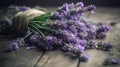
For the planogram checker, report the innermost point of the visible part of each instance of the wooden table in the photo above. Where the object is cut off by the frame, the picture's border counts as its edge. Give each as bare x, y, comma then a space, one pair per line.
37, 58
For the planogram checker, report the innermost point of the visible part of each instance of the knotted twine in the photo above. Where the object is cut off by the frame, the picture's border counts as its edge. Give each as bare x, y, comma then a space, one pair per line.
22, 19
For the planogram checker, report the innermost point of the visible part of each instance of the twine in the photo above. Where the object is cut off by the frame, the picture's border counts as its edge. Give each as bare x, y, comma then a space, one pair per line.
22, 19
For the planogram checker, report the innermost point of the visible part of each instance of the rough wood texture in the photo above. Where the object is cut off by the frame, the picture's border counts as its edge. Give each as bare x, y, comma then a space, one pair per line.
21, 58
35, 58
56, 59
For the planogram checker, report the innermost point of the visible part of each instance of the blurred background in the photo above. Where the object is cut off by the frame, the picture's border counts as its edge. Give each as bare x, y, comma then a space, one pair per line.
52, 3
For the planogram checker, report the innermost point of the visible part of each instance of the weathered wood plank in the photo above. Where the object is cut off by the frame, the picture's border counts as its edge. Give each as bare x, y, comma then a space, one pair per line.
57, 59
20, 58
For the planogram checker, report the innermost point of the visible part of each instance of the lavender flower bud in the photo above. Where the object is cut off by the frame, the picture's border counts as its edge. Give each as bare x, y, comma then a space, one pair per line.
23, 8
91, 8
49, 42
50, 39
80, 48
115, 61
90, 45
103, 28
65, 7
107, 46
111, 61
13, 46
79, 4
34, 39
85, 57
100, 35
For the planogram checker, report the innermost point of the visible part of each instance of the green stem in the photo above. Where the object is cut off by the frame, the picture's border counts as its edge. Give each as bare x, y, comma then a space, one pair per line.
37, 29
43, 17
38, 22
41, 27
31, 29
27, 36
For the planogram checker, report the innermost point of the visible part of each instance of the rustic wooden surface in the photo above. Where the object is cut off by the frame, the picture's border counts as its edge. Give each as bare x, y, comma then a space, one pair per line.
37, 58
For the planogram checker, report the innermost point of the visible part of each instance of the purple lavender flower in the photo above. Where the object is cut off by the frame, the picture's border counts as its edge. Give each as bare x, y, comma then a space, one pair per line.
115, 61
91, 8
50, 39
107, 46
70, 22
56, 15
73, 29
90, 45
91, 35
71, 6
64, 7
72, 11
80, 24
93, 28
49, 42
71, 38
85, 57
65, 48
80, 48
82, 42
73, 48
82, 35
79, 4
20, 41
34, 39
58, 25
106, 28
62, 25
23, 8
13, 46
59, 41
81, 27
104, 46
111, 61
103, 28
66, 33
100, 35
48, 48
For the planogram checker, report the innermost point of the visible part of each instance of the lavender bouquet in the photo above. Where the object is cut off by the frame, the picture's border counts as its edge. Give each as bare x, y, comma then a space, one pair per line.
65, 29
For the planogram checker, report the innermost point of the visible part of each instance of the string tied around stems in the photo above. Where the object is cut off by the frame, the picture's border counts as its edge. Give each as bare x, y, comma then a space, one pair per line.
22, 19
